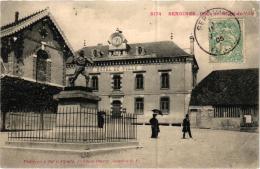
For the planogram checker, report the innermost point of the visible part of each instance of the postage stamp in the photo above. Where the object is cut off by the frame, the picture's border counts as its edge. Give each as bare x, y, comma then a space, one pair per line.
221, 44
218, 33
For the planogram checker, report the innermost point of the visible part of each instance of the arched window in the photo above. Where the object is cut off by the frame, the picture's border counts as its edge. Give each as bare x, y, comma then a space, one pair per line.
95, 53
42, 67
116, 108
140, 50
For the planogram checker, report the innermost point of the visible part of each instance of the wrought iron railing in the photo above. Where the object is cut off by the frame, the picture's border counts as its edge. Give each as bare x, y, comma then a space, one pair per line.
71, 125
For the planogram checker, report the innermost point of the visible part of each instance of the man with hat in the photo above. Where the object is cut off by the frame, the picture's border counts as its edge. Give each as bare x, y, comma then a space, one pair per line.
186, 126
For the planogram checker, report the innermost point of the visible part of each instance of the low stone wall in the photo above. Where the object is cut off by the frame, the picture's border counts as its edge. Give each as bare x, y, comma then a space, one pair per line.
203, 117
226, 123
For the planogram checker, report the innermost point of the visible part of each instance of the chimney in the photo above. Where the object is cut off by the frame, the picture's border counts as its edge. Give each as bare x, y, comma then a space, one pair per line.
191, 44
16, 16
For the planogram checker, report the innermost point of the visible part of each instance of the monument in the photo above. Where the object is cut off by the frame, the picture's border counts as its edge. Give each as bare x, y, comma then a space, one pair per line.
77, 106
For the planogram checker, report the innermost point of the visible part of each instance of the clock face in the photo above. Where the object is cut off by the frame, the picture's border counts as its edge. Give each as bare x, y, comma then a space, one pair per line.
117, 40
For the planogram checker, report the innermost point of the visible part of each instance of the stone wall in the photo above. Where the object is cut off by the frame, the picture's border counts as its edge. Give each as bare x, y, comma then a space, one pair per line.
203, 117
226, 123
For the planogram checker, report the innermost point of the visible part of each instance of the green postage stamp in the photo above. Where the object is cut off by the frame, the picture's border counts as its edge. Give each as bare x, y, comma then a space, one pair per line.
226, 40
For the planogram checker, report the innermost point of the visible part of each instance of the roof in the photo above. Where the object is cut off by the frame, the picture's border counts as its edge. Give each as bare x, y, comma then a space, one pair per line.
152, 49
22, 23
17, 93
6, 76
227, 87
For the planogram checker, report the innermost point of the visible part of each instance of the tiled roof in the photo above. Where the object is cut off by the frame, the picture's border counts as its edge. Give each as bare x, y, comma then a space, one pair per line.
22, 23
152, 49
22, 19
19, 92
227, 87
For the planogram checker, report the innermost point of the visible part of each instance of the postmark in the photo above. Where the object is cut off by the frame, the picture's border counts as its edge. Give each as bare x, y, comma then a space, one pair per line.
218, 33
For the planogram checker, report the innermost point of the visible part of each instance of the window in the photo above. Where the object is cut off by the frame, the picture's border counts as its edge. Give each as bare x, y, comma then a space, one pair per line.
42, 66
95, 53
94, 81
116, 82
165, 81
139, 81
140, 50
139, 105
165, 104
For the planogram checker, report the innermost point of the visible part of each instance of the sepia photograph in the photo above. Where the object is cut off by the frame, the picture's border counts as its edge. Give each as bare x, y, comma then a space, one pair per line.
129, 84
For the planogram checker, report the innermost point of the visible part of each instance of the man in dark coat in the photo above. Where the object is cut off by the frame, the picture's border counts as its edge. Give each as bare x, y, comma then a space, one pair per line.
100, 119
186, 126
155, 126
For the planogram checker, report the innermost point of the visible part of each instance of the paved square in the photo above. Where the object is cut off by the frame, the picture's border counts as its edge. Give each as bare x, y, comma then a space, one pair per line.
208, 149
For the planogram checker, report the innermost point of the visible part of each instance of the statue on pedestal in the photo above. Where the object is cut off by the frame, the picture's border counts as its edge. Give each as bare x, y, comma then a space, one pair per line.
80, 64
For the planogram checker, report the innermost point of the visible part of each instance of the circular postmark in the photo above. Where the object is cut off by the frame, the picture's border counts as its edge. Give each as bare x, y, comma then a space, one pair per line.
217, 31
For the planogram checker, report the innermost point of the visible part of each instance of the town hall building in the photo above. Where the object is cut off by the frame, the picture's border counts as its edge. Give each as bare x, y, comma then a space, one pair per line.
139, 77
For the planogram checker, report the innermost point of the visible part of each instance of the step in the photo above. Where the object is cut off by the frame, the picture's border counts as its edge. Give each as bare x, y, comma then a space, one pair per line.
81, 153
249, 129
69, 146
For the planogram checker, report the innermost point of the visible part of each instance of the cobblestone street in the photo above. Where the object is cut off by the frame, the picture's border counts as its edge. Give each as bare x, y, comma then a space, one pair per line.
208, 148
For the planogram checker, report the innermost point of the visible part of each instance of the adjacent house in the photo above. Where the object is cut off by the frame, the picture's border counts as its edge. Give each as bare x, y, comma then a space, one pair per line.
226, 99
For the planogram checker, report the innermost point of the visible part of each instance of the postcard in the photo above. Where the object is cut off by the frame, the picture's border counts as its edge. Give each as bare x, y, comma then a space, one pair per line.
129, 84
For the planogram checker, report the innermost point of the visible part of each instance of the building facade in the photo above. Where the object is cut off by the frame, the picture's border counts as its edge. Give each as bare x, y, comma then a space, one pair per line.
34, 52
137, 78
226, 99
35, 48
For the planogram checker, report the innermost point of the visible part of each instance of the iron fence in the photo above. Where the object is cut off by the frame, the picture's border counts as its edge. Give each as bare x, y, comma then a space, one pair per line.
71, 125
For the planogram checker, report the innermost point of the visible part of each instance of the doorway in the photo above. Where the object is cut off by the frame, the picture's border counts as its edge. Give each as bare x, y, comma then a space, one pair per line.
116, 108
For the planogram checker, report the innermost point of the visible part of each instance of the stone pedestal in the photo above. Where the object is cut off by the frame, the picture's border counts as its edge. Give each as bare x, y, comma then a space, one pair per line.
76, 97
77, 115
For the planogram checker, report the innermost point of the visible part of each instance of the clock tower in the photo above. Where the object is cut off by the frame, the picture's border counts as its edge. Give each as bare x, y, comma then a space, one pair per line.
117, 44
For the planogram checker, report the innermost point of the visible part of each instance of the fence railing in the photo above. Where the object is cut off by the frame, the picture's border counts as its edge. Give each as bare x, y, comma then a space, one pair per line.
71, 125
227, 112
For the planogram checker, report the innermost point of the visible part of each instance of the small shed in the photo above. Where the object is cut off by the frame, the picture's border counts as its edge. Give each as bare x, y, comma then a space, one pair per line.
226, 99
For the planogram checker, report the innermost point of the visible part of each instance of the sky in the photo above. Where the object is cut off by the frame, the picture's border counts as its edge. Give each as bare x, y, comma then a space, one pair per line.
95, 21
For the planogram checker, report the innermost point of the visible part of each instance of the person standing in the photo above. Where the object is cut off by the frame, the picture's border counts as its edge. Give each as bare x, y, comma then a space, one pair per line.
101, 119
155, 126
186, 126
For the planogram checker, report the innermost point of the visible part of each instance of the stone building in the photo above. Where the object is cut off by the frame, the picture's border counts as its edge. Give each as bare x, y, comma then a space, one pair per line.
226, 99
35, 48
139, 77
34, 51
